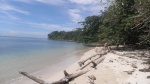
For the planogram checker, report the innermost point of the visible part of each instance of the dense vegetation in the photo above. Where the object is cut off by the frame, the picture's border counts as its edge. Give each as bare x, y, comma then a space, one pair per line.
124, 21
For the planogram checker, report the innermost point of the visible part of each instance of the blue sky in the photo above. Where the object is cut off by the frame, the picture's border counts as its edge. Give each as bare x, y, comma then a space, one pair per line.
37, 18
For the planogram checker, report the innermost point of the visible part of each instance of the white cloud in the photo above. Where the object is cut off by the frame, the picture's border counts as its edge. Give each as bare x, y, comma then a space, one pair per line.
9, 8
75, 15
5, 14
93, 9
24, 33
54, 2
84, 8
52, 27
24, 1
84, 1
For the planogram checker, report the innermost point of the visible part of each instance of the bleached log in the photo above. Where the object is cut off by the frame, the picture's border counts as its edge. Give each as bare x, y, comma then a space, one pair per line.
91, 79
33, 78
65, 80
69, 78
83, 61
102, 54
94, 64
97, 62
104, 51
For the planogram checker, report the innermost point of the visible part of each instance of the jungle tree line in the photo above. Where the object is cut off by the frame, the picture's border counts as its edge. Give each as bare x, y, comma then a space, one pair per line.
124, 21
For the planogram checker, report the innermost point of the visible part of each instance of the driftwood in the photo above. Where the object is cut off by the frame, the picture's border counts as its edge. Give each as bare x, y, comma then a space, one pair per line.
65, 80
82, 62
100, 55
94, 63
33, 78
104, 51
91, 79
69, 78
97, 62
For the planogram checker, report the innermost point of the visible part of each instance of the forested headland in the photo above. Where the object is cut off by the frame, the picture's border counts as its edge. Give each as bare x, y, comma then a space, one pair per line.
123, 22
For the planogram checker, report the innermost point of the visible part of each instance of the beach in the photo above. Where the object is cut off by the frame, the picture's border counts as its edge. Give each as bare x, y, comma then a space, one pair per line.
75, 42
114, 69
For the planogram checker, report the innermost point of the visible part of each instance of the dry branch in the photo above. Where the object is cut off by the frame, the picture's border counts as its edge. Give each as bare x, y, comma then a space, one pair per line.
91, 79
33, 78
100, 55
95, 63
65, 80
82, 62
69, 78
104, 51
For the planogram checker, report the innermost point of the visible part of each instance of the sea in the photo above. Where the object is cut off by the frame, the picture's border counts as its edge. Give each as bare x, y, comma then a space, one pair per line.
35, 56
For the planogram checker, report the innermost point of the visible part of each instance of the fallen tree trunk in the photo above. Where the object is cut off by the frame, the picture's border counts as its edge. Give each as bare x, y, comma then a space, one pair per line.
65, 80
95, 64
69, 78
33, 78
104, 51
83, 61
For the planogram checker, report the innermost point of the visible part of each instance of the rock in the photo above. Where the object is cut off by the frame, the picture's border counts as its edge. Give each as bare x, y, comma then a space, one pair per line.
134, 66
145, 70
129, 72
148, 77
110, 61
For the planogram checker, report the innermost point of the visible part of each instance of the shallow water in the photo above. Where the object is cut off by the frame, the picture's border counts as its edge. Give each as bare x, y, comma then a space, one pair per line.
33, 55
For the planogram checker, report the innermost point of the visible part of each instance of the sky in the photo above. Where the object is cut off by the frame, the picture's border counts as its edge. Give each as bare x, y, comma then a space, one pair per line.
37, 18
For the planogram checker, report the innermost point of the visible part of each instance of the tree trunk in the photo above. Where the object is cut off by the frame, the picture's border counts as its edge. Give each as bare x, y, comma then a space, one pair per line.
94, 63
65, 80
83, 61
33, 78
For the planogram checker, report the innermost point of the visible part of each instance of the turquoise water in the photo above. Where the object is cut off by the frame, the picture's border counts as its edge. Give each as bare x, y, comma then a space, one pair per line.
32, 55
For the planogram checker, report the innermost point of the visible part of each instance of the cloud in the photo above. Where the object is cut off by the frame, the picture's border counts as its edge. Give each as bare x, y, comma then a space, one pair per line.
52, 27
5, 14
51, 2
24, 1
84, 8
93, 9
9, 8
75, 15
24, 34
84, 1
54, 2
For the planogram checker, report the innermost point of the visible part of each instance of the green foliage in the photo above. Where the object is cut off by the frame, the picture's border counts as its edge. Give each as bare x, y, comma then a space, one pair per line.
75, 35
124, 21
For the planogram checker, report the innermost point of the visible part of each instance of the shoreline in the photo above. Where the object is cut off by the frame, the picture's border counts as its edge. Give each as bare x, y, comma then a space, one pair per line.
52, 69
115, 69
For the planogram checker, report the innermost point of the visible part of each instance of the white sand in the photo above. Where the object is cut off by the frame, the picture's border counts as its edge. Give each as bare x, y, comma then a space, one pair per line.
113, 70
